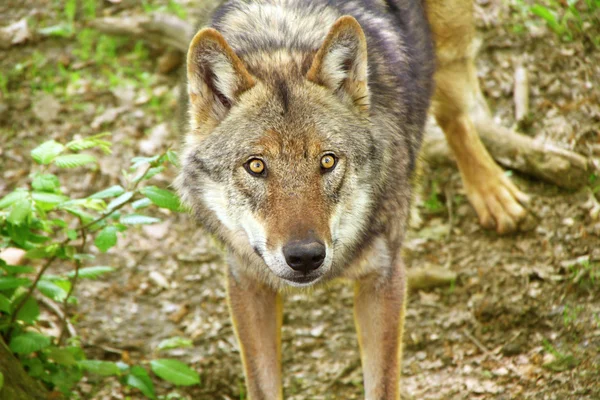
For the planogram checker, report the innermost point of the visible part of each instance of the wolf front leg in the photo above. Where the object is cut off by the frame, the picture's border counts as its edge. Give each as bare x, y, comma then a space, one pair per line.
256, 311
379, 304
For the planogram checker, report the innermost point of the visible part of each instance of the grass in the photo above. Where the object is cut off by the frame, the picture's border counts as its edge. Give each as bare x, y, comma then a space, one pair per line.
570, 20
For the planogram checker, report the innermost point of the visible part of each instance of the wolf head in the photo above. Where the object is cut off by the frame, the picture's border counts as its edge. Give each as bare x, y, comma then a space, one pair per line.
279, 160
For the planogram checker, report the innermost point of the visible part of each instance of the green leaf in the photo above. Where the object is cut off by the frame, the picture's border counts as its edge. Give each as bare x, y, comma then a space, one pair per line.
91, 272
149, 174
1, 381
13, 283
137, 161
162, 198
62, 356
60, 30
136, 219
102, 368
17, 269
51, 290
175, 371
141, 203
85, 216
90, 142
30, 312
29, 342
74, 160
46, 152
21, 210
92, 204
48, 198
5, 305
124, 198
139, 379
106, 239
547, 16
112, 191
174, 343
13, 197
45, 183
41, 252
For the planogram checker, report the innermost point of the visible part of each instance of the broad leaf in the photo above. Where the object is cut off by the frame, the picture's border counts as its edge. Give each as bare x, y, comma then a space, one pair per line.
175, 371
141, 203
13, 283
174, 343
136, 219
46, 152
5, 305
124, 198
21, 210
62, 356
30, 311
52, 290
106, 239
48, 198
162, 198
102, 368
74, 160
139, 379
45, 183
28, 342
112, 191
13, 197
91, 272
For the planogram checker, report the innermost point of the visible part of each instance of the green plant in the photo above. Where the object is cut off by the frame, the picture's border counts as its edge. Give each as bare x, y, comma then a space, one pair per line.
561, 361
56, 233
585, 273
569, 19
433, 203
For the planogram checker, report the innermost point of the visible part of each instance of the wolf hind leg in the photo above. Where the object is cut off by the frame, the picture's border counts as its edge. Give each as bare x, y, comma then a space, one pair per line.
256, 311
460, 109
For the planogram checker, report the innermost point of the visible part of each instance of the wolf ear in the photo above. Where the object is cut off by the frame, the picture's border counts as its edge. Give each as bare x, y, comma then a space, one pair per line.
216, 76
341, 63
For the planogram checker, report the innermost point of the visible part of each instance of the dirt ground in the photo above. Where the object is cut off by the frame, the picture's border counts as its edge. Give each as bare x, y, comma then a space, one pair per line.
521, 321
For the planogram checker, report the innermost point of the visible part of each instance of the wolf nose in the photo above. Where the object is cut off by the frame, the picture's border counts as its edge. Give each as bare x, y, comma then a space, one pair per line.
304, 255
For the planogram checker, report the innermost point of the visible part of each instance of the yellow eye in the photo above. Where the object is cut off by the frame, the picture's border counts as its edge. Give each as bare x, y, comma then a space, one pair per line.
328, 161
255, 166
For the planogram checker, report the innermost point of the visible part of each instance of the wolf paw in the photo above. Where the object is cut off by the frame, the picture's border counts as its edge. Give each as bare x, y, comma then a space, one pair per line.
497, 201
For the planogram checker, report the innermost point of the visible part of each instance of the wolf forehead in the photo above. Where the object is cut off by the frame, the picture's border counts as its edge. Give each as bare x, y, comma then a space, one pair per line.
281, 120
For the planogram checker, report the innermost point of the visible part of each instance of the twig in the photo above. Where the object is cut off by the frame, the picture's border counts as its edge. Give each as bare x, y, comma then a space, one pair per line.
450, 206
521, 93
56, 310
348, 369
480, 345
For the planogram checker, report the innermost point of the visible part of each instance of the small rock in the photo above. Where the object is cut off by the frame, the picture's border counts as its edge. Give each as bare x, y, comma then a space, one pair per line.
568, 222
159, 280
157, 231
108, 116
12, 256
46, 107
155, 140
14, 33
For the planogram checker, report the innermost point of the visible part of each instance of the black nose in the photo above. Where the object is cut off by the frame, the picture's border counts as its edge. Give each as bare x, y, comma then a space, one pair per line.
304, 255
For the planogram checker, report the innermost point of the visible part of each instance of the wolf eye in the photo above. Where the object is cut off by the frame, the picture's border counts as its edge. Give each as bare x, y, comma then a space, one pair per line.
328, 161
255, 167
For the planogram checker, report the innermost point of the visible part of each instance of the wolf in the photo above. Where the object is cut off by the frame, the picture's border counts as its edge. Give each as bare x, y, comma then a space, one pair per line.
305, 121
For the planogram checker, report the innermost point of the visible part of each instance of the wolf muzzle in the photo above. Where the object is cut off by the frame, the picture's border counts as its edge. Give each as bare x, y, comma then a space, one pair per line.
304, 255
